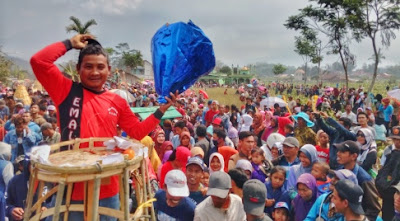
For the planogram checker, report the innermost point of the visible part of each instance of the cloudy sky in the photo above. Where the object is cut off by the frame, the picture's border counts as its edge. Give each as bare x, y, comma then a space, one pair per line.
242, 31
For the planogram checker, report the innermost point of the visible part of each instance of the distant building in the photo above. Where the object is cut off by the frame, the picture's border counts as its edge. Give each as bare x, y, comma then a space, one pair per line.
144, 72
244, 76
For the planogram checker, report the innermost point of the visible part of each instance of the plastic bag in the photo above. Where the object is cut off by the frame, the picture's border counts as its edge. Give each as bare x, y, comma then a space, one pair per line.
181, 54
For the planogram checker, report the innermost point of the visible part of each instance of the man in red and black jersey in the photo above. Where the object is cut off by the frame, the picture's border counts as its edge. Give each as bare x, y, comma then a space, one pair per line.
85, 109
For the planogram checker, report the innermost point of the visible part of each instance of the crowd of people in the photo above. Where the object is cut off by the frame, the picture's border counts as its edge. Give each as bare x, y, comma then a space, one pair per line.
330, 158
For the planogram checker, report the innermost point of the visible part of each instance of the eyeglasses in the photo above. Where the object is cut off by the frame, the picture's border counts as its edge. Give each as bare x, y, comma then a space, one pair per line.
360, 135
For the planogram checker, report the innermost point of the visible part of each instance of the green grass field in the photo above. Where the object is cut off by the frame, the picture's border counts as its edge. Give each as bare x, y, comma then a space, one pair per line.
217, 93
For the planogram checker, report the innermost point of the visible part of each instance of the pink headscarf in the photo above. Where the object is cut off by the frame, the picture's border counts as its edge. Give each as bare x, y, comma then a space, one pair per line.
268, 122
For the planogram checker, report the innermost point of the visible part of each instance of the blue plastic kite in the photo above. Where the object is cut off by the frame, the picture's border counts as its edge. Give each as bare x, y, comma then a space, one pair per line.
181, 54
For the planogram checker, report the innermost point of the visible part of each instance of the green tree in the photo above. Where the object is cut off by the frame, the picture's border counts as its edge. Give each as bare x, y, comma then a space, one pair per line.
77, 26
5, 67
18, 73
132, 59
331, 19
279, 69
226, 69
376, 20
69, 69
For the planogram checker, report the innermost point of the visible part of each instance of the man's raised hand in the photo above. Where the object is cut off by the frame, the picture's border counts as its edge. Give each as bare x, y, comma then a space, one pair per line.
79, 41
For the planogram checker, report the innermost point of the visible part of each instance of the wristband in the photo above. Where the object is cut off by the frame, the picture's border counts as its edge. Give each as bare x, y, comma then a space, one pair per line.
158, 114
68, 44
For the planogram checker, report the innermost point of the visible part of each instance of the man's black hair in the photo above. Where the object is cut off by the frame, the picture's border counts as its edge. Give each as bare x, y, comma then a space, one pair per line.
92, 49
346, 122
220, 133
201, 131
181, 124
42, 107
245, 134
276, 105
238, 176
363, 113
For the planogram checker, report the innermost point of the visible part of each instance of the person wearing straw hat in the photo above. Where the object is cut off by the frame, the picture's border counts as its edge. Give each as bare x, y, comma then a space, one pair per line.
303, 131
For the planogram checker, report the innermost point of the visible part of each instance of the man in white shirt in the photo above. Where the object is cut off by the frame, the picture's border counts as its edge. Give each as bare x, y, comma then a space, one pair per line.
220, 204
349, 114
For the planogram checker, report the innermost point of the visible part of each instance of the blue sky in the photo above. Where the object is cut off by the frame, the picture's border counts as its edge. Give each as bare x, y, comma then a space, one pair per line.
242, 31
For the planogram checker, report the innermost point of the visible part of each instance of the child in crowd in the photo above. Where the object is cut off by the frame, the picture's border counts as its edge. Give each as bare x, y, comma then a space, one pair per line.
307, 194
206, 177
261, 166
289, 130
276, 150
281, 212
246, 166
320, 171
216, 163
276, 189
322, 146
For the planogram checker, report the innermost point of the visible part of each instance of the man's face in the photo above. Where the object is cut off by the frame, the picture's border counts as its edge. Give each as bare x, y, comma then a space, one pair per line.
340, 204
26, 117
219, 202
348, 108
246, 145
344, 157
46, 133
362, 119
397, 201
396, 143
19, 128
290, 152
172, 201
221, 109
194, 173
214, 106
178, 130
34, 109
94, 71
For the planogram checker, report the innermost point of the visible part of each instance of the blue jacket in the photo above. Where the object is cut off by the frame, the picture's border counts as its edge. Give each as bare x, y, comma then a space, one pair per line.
337, 134
32, 126
316, 210
30, 140
3, 184
17, 191
279, 195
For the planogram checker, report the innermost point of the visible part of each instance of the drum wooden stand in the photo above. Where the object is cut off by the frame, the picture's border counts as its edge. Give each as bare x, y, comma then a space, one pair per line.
65, 177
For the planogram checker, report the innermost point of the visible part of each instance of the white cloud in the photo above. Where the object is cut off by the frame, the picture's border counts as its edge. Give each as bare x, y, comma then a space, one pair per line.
116, 7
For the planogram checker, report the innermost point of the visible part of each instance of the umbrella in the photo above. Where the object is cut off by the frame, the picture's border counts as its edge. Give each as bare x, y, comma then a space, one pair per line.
145, 112
205, 95
394, 94
124, 94
270, 101
250, 85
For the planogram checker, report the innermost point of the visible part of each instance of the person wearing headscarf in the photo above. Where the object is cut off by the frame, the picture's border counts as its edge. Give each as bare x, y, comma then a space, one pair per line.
307, 155
367, 157
216, 163
166, 146
308, 193
158, 137
153, 156
177, 160
233, 134
6, 167
197, 152
268, 117
226, 152
272, 128
247, 121
185, 139
258, 127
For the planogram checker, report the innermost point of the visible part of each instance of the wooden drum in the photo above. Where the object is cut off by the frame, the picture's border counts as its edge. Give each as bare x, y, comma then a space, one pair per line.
65, 176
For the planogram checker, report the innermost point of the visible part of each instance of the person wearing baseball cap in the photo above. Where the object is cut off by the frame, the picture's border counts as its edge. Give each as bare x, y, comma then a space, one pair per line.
347, 197
254, 195
347, 154
194, 174
220, 204
290, 148
173, 202
281, 212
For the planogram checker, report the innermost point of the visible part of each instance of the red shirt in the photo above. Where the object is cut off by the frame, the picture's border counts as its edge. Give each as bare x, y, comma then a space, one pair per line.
323, 153
84, 113
209, 116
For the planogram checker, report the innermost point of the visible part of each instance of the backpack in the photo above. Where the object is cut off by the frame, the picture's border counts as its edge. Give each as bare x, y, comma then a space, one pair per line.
389, 175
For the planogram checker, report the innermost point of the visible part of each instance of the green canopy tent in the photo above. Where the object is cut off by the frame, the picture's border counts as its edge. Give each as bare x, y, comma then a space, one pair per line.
145, 112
